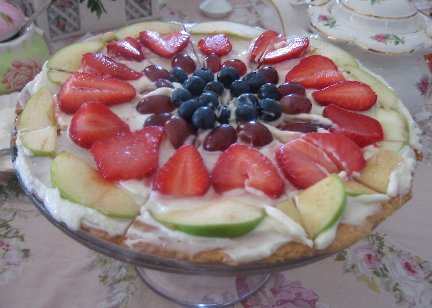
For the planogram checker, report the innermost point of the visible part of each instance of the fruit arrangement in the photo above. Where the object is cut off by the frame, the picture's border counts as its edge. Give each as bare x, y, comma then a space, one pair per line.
239, 126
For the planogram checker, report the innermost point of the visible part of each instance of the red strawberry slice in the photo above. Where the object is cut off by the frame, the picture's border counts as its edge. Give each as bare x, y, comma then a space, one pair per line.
132, 155
218, 44
352, 95
241, 166
127, 48
166, 46
184, 174
98, 64
344, 152
360, 128
315, 71
82, 88
260, 45
93, 122
290, 48
304, 164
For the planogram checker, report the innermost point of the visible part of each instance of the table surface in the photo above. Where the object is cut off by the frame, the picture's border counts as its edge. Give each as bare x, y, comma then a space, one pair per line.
42, 267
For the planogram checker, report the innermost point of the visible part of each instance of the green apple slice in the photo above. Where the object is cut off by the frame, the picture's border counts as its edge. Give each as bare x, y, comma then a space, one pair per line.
288, 207
224, 218
80, 183
58, 77
322, 204
394, 125
338, 55
386, 96
135, 29
38, 112
354, 189
68, 59
41, 142
226, 27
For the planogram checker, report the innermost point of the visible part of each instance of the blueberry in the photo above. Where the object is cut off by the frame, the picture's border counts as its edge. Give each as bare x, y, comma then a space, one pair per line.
209, 98
224, 115
247, 99
239, 87
269, 109
195, 85
205, 74
204, 117
177, 74
227, 75
255, 80
215, 86
180, 95
246, 113
163, 83
187, 109
269, 90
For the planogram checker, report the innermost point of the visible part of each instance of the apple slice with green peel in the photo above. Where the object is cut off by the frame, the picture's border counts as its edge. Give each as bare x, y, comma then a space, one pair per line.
57, 77
107, 37
226, 27
386, 96
322, 204
135, 29
394, 125
224, 218
38, 112
354, 189
41, 142
288, 207
80, 183
379, 167
68, 59
336, 54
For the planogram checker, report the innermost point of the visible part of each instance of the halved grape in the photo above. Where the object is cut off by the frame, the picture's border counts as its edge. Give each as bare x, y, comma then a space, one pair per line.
155, 104
295, 104
185, 62
213, 62
220, 138
237, 64
158, 119
179, 132
155, 72
254, 133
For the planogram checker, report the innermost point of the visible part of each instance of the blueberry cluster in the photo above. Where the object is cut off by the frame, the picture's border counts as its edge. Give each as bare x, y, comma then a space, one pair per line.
198, 100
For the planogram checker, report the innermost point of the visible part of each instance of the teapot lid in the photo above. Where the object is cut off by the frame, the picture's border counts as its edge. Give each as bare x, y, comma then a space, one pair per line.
381, 8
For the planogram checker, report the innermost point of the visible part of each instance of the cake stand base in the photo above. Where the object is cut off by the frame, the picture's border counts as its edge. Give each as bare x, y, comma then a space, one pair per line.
202, 291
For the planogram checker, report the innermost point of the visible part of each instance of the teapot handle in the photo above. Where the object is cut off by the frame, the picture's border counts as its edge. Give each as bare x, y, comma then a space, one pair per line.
292, 20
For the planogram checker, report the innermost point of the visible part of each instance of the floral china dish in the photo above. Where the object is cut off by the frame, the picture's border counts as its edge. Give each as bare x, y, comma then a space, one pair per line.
382, 26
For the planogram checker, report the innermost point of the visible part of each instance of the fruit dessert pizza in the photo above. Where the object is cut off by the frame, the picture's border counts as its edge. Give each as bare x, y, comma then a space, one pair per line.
215, 142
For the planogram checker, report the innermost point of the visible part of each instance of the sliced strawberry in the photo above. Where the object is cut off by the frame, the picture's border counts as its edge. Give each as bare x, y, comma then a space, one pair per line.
361, 128
127, 48
352, 95
93, 122
344, 152
218, 44
98, 64
315, 71
241, 166
184, 174
166, 46
82, 88
290, 48
304, 164
132, 155
260, 45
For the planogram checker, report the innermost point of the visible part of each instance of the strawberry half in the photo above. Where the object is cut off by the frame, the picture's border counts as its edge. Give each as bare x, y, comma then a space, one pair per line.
82, 88
290, 48
241, 166
304, 164
166, 46
132, 155
218, 44
98, 64
315, 71
352, 95
344, 152
93, 122
360, 128
260, 45
183, 175
127, 48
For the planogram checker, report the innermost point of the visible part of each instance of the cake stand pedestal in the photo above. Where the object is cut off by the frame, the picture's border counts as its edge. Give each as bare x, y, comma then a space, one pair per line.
202, 291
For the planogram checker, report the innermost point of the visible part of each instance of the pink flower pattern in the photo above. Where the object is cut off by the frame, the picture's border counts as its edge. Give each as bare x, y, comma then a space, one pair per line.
19, 73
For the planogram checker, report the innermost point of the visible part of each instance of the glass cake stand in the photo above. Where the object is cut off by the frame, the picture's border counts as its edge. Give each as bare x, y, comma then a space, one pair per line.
187, 283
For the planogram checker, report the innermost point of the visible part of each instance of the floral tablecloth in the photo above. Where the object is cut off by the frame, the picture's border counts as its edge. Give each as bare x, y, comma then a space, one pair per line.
42, 267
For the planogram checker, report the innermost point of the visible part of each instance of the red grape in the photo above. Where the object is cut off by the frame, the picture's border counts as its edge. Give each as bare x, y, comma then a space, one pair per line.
237, 64
254, 133
155, 104
220, 138
178, 131
213, 62
295, 104
155, 72
270, 74
291, 88
158, 119
185, 62
301, 126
